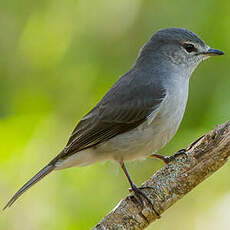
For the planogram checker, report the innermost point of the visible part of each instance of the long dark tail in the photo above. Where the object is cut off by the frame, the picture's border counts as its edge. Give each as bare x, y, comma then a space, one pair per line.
42, 173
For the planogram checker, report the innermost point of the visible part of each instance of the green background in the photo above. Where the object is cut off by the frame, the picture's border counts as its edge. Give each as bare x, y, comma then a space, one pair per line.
57, 59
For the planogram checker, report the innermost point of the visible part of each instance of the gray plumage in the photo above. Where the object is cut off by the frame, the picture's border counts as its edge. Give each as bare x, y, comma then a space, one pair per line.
143, 109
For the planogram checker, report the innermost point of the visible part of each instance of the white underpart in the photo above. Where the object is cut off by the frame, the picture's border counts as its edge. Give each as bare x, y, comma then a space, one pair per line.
147, 138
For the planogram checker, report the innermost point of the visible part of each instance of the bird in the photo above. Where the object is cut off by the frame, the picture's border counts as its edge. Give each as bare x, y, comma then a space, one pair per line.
140, 113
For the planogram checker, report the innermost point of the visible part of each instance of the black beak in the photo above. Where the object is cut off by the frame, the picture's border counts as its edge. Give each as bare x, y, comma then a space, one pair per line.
213, 52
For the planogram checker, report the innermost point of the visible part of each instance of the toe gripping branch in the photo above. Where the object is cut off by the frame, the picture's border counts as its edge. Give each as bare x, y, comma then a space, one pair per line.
139, 194
169, 159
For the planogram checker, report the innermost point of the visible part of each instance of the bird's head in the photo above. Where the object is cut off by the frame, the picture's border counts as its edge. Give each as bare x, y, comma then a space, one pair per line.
179, 46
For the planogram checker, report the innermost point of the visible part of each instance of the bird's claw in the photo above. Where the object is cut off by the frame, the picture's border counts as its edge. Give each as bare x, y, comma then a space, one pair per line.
168, 159
139, 194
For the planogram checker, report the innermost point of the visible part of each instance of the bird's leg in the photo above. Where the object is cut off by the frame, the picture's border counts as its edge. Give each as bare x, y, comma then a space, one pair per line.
137, 191
168, 159
165, 159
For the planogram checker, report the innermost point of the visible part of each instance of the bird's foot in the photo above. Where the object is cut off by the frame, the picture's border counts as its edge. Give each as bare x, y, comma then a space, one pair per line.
168, 159
140, 194
165, 159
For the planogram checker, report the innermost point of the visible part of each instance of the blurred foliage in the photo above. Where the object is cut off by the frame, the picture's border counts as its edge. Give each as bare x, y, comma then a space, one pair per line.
58, 58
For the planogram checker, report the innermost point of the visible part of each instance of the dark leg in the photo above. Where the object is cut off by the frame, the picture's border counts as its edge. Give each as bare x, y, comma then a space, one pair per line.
168, 159
137, 190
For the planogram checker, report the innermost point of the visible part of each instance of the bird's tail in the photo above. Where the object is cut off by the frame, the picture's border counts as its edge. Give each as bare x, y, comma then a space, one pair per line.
42, 173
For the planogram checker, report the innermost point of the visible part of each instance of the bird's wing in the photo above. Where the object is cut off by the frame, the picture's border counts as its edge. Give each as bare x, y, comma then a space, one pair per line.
122, 109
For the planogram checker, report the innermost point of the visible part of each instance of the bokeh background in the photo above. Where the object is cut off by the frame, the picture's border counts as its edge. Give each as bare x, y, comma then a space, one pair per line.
57, 59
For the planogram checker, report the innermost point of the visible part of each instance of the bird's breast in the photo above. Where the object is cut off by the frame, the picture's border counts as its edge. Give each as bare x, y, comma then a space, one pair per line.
168, 119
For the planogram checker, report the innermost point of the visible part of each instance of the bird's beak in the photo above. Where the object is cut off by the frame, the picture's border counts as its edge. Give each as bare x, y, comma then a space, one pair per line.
213, 52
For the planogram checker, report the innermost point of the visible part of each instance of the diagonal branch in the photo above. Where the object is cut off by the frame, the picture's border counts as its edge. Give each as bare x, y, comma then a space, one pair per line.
173, 181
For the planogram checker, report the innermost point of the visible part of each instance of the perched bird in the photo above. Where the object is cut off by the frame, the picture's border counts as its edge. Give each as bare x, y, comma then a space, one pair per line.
140, 113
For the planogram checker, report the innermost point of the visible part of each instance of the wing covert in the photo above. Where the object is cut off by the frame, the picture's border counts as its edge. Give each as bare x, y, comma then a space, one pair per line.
122, 109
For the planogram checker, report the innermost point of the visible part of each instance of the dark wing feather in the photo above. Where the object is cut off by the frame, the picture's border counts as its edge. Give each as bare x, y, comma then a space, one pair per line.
122, 109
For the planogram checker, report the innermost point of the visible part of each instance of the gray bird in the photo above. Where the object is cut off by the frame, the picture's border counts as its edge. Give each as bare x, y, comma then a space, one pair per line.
140, 113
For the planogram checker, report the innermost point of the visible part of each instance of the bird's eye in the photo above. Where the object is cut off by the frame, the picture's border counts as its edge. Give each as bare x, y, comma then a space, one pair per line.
189, 47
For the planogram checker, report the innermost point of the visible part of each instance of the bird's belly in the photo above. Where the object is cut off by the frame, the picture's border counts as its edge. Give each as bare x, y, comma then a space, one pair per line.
143, 140
150, 136
137, 143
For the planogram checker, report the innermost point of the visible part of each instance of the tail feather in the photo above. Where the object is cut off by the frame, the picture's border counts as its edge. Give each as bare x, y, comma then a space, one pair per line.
42, 173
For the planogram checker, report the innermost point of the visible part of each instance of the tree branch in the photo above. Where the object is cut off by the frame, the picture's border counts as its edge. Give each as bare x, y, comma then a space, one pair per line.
169, 184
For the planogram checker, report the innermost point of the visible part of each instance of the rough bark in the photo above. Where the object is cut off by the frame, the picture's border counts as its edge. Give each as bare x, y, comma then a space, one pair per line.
169, 184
